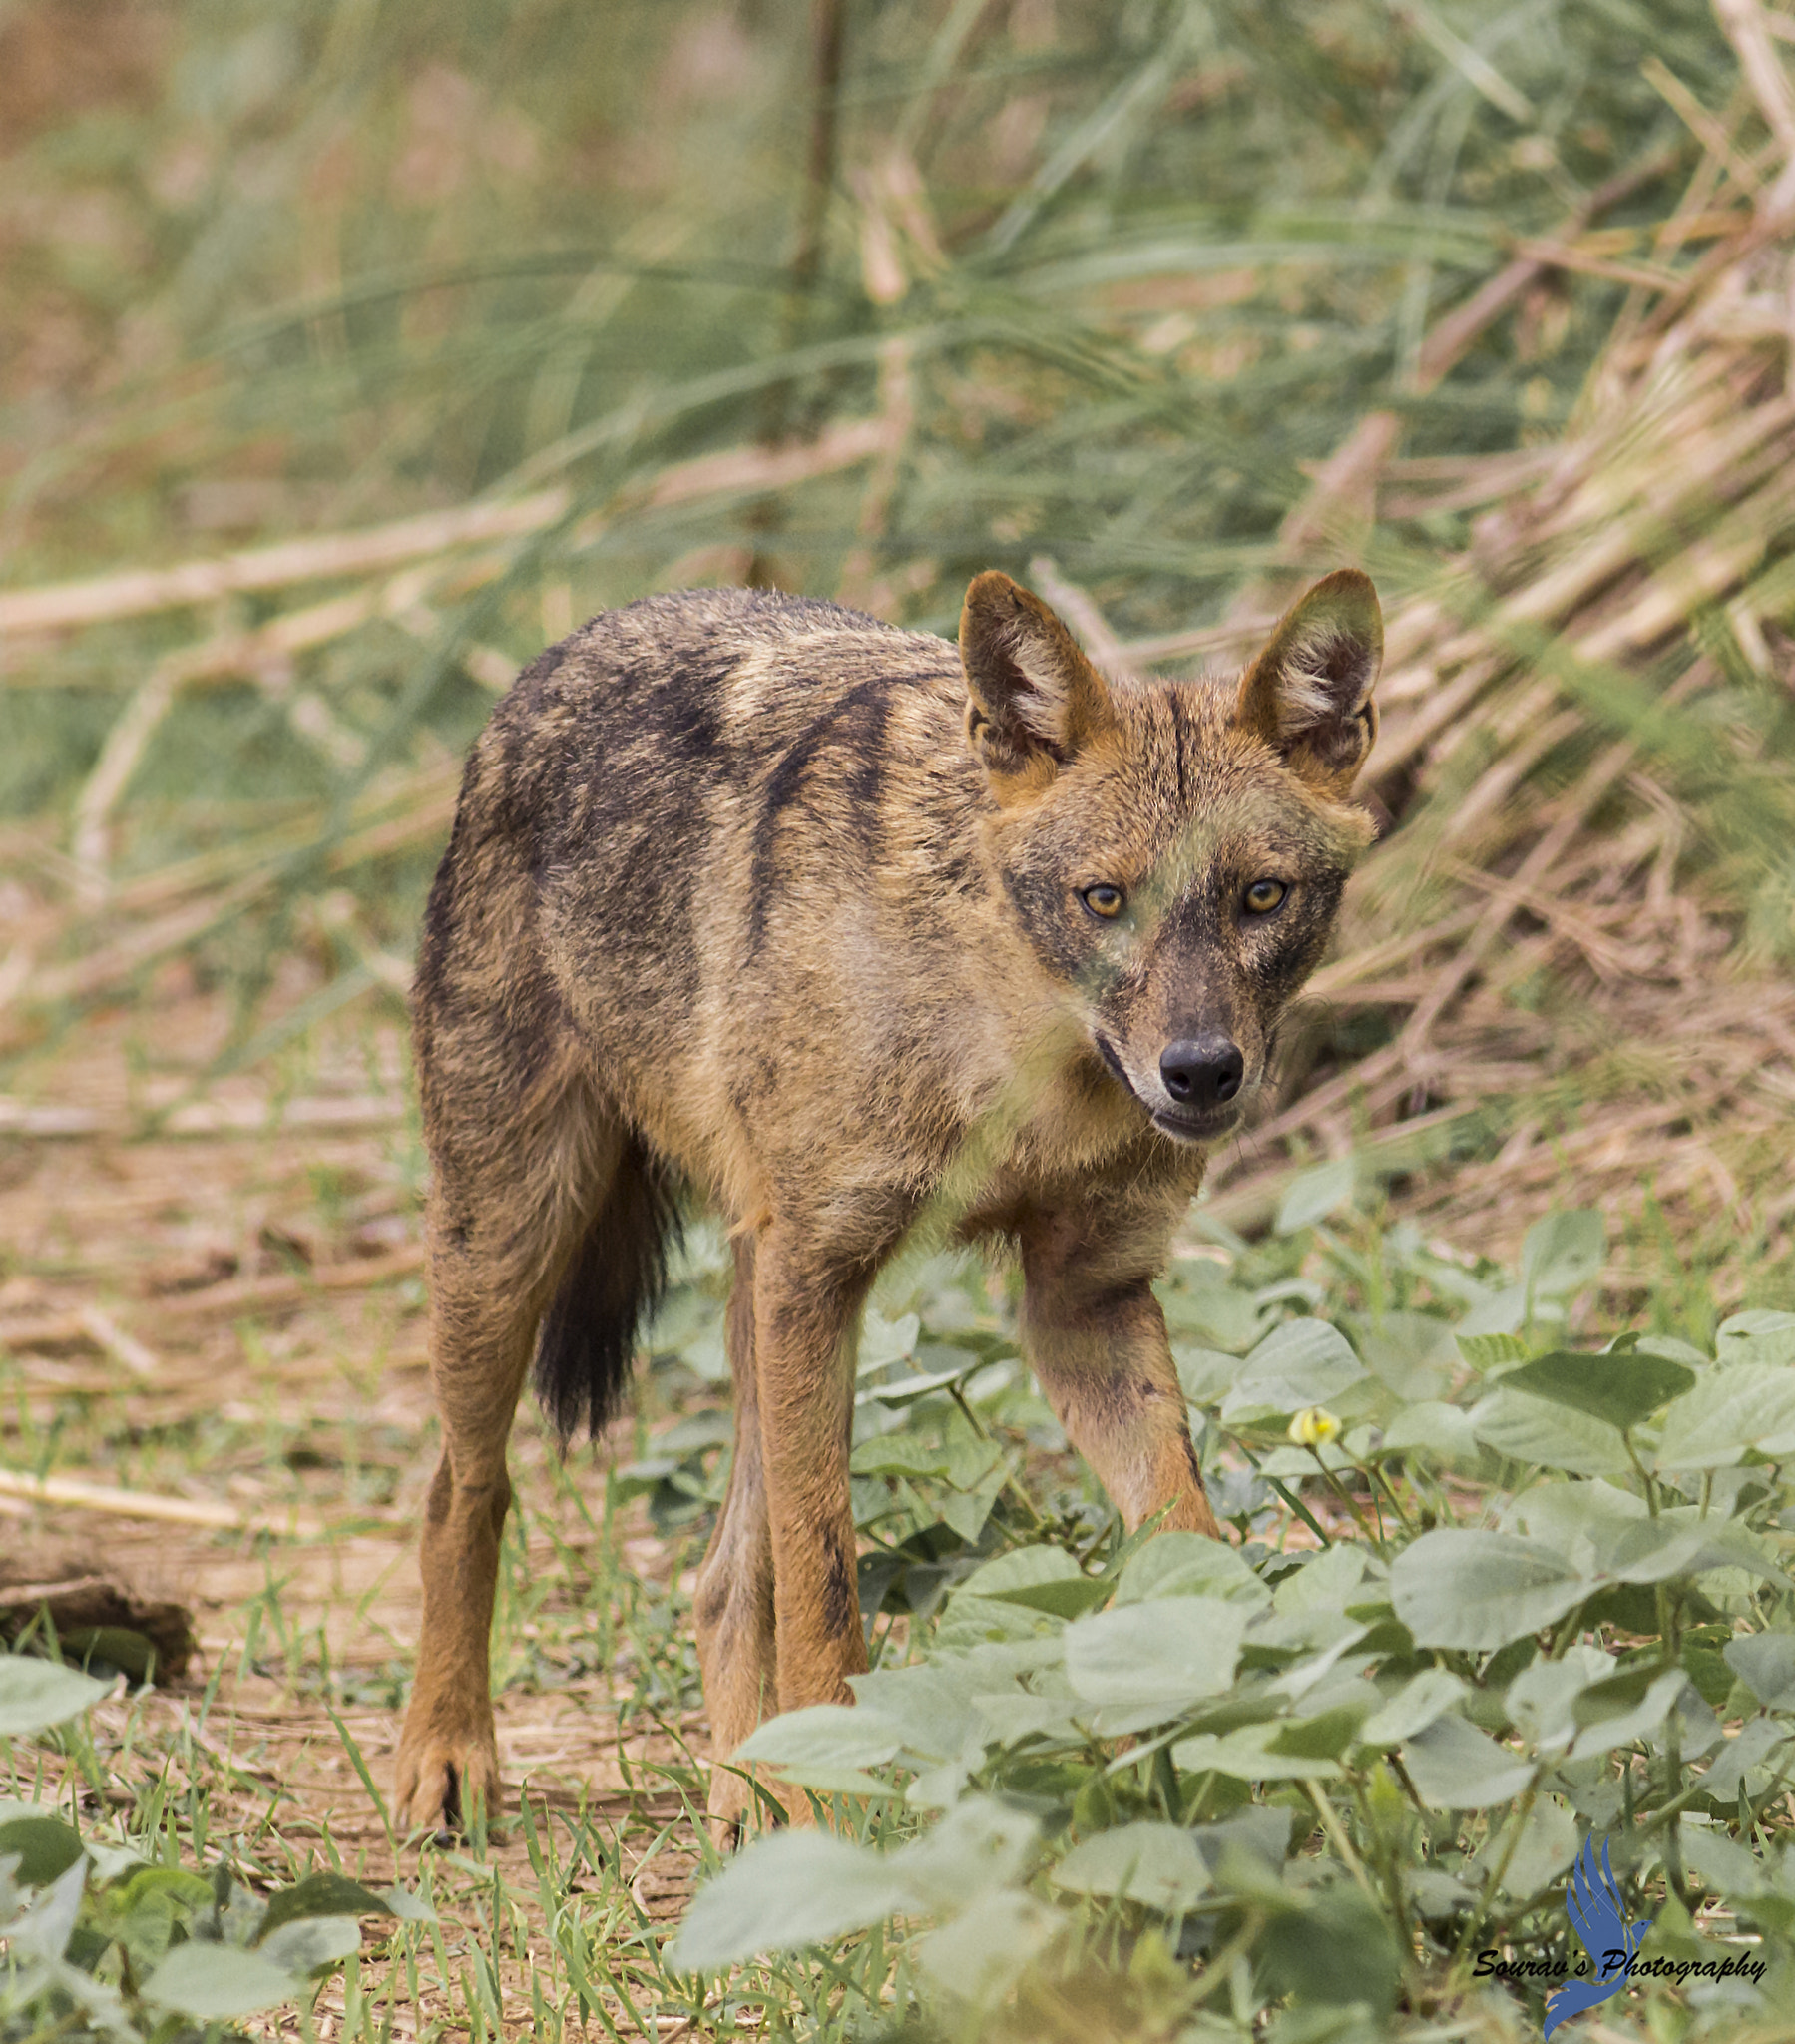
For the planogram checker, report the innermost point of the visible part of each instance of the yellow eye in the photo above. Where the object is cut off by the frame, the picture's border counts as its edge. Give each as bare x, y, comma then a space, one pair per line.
1103, 901
1264, 895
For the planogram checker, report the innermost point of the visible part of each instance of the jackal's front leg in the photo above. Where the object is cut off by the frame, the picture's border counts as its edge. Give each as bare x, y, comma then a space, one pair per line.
803, 1315
1095, 1338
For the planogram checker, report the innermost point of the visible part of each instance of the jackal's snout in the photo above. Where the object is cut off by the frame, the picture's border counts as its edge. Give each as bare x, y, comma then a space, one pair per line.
1202, 1073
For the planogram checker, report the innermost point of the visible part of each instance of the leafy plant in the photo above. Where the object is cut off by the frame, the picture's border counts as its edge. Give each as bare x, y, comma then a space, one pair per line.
1498, 1589
109, 1941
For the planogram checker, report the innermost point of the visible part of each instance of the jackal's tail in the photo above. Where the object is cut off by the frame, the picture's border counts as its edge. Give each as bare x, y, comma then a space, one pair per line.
612, 1289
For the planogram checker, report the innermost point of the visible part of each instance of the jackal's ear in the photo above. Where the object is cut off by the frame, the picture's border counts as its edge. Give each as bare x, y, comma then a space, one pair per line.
1032, 699
1309, 692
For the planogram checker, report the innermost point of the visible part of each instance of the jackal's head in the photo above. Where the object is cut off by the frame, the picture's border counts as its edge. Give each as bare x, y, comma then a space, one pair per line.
1175, 852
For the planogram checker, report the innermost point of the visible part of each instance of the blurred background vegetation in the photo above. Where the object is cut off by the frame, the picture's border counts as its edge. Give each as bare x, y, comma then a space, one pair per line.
348, 351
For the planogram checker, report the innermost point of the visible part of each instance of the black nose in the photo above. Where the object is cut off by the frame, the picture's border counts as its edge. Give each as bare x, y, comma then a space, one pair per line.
1202, 1071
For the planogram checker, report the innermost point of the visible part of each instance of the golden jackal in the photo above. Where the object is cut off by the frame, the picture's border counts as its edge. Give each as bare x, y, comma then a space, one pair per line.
766, 901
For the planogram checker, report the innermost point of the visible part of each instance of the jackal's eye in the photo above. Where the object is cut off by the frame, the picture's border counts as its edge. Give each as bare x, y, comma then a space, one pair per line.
1104, 899
1264, 895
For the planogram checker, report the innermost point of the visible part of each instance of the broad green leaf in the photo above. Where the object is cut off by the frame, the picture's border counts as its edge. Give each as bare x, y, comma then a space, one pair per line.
44, 1931
216, 1983
1741, 1757
1455, 1766
1168, 1651
1329, 1580
1206, 1375
898, 1454
929, 1702
1763, 1662
1485, 1352
1551, 1436
1432, 1428
1757, 1337
980, 1844
884, 1342
827, 1735
784, 1892
1023, 1568
1563, 1253
1546, 1846
1155, 1863
1541, 1699
310, 1942
1413, 1707
1626, 1707
1621, 1390
979, 1955
1337, 1955
36, 1694
1253, 1754
1213, 1313
1303, 1362
47, 1848
1188, 1565
1655, 1550
1315, 1195
1477, 1591
1748, 1405
322, 1894
1069, 1598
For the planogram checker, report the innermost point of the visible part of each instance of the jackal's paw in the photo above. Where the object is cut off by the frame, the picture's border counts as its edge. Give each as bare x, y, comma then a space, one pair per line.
440, 1782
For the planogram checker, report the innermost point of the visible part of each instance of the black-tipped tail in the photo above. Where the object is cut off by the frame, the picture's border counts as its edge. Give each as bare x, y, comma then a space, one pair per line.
615, 1281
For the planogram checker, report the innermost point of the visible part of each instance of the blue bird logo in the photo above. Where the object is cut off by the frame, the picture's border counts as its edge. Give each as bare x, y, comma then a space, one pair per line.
1592, 1904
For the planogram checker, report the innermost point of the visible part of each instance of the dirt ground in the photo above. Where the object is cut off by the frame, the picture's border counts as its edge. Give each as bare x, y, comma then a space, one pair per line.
212, 1341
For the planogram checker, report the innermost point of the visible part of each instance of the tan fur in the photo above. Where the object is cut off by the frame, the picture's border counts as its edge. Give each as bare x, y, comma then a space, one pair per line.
789, 908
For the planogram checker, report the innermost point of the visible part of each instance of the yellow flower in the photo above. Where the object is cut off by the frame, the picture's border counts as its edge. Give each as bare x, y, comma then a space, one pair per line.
1313, 1425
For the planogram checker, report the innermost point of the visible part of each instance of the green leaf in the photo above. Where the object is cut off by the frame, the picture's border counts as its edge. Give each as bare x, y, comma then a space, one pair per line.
1757, 1337
1337, 1955
1763, 1662
1206, 1375
1746, 1406
1155, 1863
1213, 1313
1546, 1436
1315, 1195
823, 1736
1477, 1591
1485, 1351
793, 1889
35, 1693
1023, 1568
1188, 1565
47, 1848
1625, 1708
1432, 1428
1169, 1652
311, 1943
1066, 1599
1413, 1707
899, 1454
979, 1957
216, 1983
1546, 1846
322, 1894
1253, 1754
1303, 1362
1621, 1390
1454, 1767
1563, 1251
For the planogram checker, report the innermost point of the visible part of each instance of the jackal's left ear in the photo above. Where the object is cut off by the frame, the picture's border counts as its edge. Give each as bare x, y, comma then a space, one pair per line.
1309, 692
1032, 699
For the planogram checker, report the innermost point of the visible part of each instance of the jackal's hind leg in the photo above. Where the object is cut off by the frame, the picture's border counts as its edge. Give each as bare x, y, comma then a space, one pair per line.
734, 1600
1095, 1338
506, 1213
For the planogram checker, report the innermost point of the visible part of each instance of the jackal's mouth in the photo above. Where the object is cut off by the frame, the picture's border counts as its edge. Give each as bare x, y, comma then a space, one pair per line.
1194, 1128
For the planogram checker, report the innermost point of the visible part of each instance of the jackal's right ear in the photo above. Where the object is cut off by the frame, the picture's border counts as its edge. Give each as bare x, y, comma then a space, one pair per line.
1032, 699
1308, 694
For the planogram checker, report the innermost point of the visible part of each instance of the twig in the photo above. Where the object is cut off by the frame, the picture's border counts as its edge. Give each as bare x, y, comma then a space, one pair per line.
77, 1495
